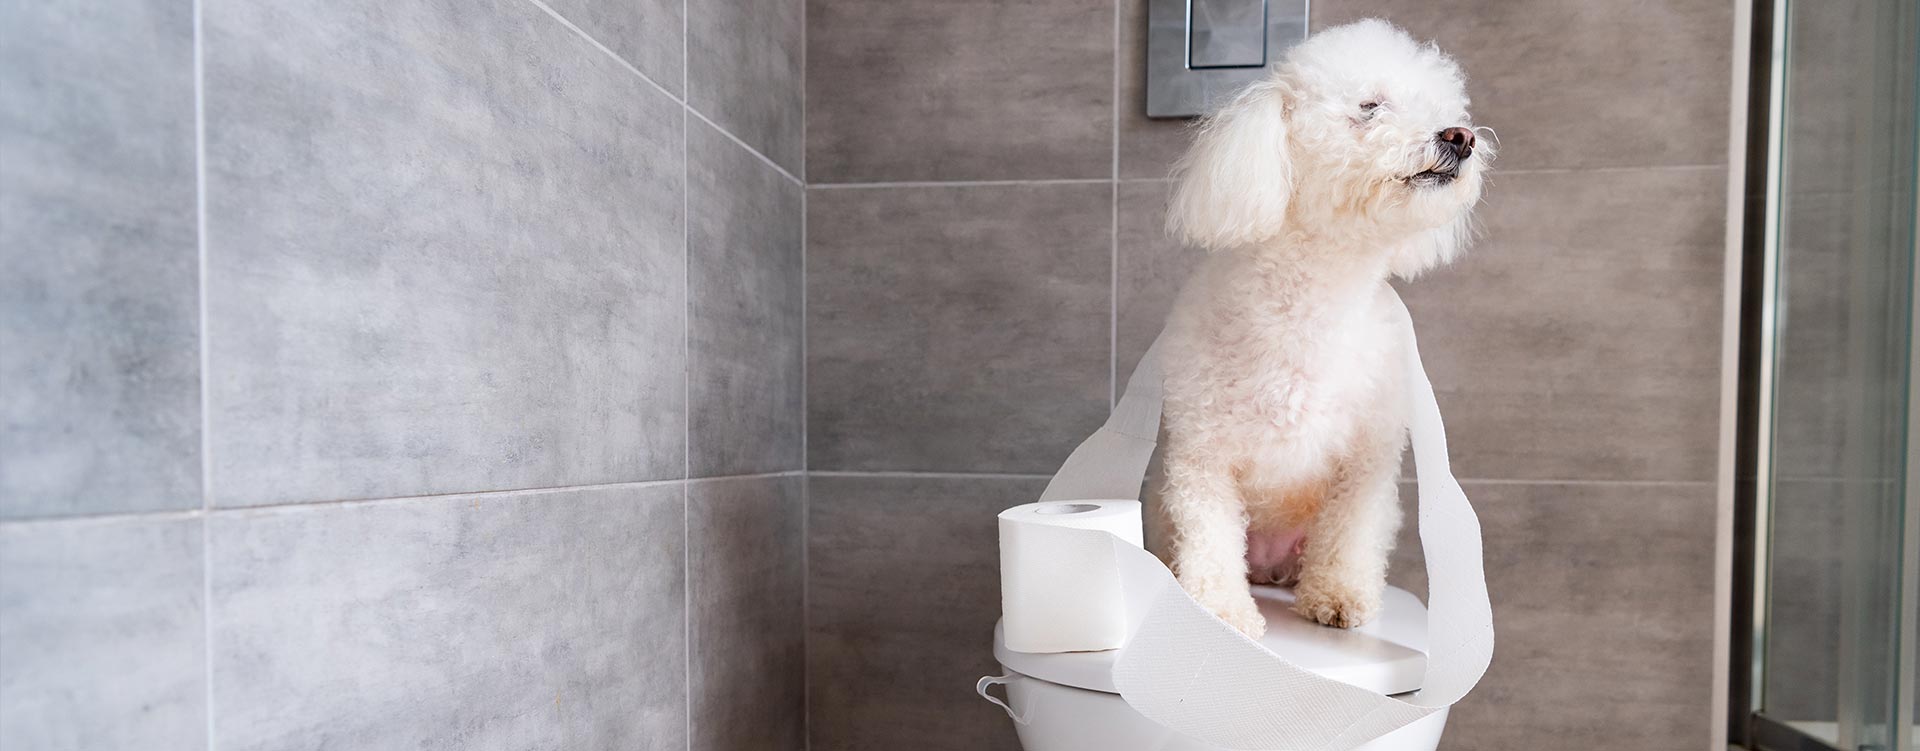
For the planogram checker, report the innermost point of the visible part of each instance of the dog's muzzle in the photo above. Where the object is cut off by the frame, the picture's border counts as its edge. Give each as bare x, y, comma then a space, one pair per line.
1456, 146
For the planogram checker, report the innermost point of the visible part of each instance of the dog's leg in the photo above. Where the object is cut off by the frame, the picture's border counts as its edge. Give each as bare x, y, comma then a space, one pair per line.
1344, 571
1209, 536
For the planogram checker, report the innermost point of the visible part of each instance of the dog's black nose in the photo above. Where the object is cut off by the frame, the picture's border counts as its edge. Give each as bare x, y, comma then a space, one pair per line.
1458, 139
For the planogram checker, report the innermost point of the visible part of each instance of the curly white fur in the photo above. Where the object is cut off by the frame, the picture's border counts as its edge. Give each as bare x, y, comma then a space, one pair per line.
1284, 419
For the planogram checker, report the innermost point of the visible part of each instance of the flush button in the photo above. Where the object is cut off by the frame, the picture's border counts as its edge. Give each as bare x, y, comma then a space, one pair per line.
1199, 52
1226, 33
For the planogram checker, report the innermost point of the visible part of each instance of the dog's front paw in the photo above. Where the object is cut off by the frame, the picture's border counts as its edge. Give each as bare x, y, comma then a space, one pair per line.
1243, 615
1335, 607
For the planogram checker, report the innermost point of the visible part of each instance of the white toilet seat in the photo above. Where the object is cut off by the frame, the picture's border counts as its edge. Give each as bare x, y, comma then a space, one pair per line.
1067, 701
1387, 655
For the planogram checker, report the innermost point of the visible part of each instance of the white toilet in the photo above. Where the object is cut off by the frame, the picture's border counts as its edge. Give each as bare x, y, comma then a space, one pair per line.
1067, 701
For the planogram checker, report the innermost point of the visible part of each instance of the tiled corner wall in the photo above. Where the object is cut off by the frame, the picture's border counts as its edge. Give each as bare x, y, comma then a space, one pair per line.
409, 374
984, 255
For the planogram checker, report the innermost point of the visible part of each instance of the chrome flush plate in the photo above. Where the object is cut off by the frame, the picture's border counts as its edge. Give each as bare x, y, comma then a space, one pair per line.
1199, 52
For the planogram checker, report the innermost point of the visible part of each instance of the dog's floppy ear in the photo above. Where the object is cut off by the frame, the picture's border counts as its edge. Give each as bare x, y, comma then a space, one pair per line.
1236, 180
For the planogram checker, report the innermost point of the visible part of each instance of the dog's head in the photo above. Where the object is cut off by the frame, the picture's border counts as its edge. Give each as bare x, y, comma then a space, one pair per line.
1360, 138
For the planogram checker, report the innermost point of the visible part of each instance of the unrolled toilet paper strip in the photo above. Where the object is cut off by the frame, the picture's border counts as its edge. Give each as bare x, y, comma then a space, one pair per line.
1112, 462
1060, 590
1190, 671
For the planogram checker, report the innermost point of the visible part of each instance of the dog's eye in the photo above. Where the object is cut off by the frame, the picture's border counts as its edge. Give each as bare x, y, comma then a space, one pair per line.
1367, 108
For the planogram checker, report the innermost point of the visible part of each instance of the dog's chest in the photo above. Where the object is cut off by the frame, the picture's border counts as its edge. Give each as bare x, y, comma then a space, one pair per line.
1300, 388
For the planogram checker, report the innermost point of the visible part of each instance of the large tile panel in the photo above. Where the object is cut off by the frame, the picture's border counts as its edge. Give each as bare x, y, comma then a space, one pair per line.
744, 71
959, 90
1581, 338
903, 591
548, 619
648, 34
102, 635
444, 254
745, 294
99, 304
956, 328
747, 571
1602, 596
1571, 84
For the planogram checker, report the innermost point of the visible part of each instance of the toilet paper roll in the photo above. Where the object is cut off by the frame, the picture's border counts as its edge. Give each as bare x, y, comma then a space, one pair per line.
1060, 588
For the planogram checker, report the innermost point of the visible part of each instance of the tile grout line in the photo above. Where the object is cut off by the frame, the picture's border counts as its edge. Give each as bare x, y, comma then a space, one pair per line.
1116, 178
743, 144
806, 485
686, 52
686, 608
195, 513
686, 373
958, 183
1608, 170
890, 474
806, 612
1113, 230
1117, 13
124, 517
200, 209
285, 508
1567, 482
680, 100
1833, 480
803, 93
909, 474
747, 476
206, 440
616, 56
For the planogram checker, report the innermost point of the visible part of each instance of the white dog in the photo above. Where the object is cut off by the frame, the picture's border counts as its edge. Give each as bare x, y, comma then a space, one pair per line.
1353, 162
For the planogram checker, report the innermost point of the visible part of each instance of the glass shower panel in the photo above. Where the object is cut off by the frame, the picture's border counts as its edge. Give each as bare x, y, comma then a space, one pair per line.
1838, 608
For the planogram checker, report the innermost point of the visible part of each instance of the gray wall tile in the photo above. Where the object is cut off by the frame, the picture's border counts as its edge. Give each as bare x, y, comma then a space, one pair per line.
1580, 340
747, 571
645, 33
956, 328
1152, 268
903, 591
1602, 596
745, 287
509, 621
99, 261
1574, 84
102, 637
744, 61
959, 90
445, 254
